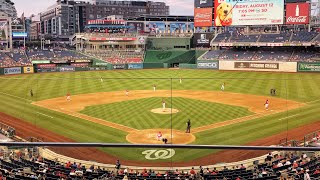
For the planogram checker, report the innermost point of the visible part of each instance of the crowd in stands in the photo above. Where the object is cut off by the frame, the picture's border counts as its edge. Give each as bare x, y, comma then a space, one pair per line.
262, 55
14, 58
118, 56
284, 166
267, 37
52, 54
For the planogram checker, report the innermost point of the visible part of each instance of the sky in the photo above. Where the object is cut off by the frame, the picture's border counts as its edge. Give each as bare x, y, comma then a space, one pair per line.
177, 7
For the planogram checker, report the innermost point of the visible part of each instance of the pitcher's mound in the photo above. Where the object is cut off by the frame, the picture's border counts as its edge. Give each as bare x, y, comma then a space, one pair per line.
149, 136
165, 111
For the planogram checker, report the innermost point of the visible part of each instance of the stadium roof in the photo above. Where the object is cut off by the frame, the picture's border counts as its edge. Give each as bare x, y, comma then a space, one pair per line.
160, 18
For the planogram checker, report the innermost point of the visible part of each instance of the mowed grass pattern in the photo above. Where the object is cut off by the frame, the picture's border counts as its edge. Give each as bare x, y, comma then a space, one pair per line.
137, 114
303, 87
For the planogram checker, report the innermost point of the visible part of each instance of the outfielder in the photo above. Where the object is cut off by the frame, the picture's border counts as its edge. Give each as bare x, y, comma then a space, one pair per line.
180, 80
266, 105
222, 86
101, 79
31, 93
154, 88
68, 97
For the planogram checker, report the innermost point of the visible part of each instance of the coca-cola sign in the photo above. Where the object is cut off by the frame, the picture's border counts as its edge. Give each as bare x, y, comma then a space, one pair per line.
297, 13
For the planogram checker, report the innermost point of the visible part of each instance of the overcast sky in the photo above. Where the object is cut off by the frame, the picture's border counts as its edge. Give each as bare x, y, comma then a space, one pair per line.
177, 7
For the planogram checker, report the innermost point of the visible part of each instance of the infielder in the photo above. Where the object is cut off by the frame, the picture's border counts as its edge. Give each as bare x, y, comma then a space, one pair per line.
68, 97
180, 80
188, 126
222, 86
163, 105
266, 105
154, 88
127, 92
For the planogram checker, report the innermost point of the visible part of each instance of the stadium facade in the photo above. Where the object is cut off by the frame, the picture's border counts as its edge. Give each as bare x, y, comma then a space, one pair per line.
66, 18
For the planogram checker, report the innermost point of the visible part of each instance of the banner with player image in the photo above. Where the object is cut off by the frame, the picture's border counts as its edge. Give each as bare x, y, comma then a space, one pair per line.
156, 27
178, 27
248, 12
135, 27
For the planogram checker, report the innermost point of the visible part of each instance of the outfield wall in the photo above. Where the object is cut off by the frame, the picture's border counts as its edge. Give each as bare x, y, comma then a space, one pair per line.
258, 66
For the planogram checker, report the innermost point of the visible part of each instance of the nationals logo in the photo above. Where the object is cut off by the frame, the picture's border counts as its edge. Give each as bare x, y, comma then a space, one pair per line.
297, 13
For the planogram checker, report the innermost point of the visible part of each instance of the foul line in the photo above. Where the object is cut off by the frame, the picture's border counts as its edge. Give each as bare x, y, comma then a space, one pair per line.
310, 102
288, 117
44, 115
15, 96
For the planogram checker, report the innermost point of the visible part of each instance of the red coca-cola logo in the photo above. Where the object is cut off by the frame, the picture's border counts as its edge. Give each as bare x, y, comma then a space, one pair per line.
301, 19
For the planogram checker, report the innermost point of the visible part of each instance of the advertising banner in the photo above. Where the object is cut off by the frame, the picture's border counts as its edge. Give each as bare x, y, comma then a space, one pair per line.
248, 12
119, 66
203, 3
27, 70
135, 66
208, 64
46, 66
39, 70
66, 68
60, 61
80, 61
97, 68
156, 27
254, 65
203, 39
135, 27
190, 26
4, 26
178, 27
101, 64
80, 64
308, 67
14, 70
40, 62
297, 13
202, 17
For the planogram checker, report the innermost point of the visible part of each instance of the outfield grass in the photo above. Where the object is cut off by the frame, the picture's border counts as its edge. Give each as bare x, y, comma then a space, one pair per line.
136, 113
15, 100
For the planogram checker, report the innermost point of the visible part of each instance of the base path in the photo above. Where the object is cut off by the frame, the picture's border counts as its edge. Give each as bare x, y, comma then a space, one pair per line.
254, 103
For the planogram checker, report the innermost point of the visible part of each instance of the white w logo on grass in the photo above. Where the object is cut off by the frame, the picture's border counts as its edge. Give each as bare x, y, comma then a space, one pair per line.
159, 154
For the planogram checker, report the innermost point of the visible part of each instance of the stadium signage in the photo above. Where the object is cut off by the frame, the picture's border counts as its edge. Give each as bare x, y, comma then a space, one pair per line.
80, 64
248, 12
297, 13
101, 64
66, 68
27, 70
135, 66
202, 17
203, 3
252, 65
309, 67
47, 70
97, 68
119, 66
202, 39
60, 61
113, 39
48, 66
208, 64
14, 70
80, 61
41, 62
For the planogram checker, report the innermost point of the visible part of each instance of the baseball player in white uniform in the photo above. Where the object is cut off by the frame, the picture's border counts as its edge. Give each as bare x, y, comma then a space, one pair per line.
180, 80
154, 88
222, 87
163, 105
266, 105
101, 79
127, 92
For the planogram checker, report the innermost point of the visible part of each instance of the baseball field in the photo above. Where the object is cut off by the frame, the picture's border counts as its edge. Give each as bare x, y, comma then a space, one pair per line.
100, 111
